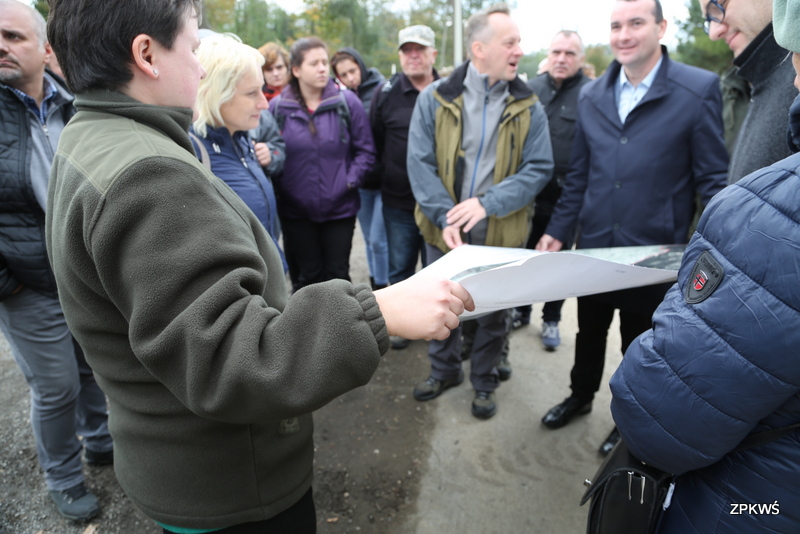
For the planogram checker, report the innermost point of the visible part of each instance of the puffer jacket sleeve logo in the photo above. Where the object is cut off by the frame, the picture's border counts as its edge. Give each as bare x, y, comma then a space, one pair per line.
706, 276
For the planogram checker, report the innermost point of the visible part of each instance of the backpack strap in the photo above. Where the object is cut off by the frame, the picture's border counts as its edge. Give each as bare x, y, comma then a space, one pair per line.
279, 118
344, 116
202, 152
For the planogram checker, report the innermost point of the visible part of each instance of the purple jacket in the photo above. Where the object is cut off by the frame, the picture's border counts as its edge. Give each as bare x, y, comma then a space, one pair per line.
323, 171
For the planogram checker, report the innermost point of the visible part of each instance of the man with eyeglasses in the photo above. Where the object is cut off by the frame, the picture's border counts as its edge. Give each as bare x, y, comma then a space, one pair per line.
746, 26
648, 138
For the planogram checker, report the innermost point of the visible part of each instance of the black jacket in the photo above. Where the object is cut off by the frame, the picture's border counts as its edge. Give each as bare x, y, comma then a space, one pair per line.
23, 255
561, 106
390, 116
371, 78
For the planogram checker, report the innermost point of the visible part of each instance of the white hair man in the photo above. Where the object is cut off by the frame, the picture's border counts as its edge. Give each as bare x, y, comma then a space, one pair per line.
478, 153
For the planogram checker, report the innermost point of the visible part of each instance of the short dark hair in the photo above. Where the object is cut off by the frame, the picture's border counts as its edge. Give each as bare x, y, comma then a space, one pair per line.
93, 38
658, 12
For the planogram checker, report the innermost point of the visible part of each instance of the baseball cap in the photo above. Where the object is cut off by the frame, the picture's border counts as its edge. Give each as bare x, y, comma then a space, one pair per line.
419, 34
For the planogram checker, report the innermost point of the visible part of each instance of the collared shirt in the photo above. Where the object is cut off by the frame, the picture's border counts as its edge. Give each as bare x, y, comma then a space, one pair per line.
629, 95
49, 93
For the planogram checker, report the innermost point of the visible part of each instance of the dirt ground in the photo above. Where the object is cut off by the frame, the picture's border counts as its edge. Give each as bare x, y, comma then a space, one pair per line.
371, 445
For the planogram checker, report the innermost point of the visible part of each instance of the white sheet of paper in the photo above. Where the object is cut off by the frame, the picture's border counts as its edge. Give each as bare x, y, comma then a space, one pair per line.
500, 278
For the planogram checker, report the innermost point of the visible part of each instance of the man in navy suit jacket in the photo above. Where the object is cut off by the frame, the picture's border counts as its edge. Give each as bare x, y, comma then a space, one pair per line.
648, 139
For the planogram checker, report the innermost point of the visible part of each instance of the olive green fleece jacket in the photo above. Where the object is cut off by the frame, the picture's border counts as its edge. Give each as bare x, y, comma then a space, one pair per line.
177, 295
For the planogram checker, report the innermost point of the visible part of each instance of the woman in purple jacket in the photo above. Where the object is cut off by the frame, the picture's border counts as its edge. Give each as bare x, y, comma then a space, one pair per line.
329, 148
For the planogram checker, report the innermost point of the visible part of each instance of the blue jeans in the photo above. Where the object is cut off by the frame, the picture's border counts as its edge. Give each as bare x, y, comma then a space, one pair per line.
370, 217
65, 399
405, 243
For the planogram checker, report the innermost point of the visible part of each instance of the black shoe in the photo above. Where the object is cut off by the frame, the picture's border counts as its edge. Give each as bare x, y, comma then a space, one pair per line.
97, 459
398, 343
484, 405
561, 414
504, 369
431, 388
76, 503
610, 441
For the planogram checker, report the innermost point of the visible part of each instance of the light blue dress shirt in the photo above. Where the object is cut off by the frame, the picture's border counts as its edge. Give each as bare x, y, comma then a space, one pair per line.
628, 95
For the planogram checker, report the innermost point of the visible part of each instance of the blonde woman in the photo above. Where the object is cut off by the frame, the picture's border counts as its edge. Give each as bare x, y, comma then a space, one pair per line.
229, 103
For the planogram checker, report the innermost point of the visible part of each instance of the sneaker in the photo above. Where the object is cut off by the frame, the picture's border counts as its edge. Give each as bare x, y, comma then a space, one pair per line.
484, 406
504, 369
97, 459
431, 388
518, 319
398, 343
551, 339
76, 503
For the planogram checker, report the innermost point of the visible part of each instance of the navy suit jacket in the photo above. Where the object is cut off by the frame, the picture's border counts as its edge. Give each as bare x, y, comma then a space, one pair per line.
635, 183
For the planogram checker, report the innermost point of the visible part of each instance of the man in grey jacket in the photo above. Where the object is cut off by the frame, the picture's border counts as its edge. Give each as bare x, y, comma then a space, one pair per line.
478, 153
65, 399
746, 25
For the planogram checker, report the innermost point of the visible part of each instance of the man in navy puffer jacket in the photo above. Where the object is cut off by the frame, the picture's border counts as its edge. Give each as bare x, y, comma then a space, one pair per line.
722, 361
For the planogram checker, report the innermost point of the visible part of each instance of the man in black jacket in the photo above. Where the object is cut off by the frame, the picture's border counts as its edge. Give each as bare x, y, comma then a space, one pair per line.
65, 399
390, 115
558, 90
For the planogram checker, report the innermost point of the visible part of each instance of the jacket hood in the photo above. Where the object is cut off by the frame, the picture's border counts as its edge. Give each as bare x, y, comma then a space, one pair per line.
454, 85
370, 77
359, 61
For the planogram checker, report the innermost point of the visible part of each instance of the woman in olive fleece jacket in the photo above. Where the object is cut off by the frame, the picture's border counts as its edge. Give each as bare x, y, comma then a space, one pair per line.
163, 274
177, 295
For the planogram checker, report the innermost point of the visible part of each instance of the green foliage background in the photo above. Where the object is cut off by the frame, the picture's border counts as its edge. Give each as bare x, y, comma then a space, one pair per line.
371, 26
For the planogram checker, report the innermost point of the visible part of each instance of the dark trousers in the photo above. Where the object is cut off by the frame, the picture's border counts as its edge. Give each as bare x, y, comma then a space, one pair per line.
405, 243
551, 312
491, 331
300, 518
595, 313
319, 250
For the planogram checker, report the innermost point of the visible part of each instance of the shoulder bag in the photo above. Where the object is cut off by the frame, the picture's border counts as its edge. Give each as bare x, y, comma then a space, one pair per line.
629, 496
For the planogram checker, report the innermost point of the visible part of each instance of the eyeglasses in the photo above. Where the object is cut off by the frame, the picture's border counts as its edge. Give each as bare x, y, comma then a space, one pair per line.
714, 13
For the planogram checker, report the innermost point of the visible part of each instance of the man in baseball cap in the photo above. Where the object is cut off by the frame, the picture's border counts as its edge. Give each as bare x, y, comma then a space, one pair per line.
419, 34
390, 116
